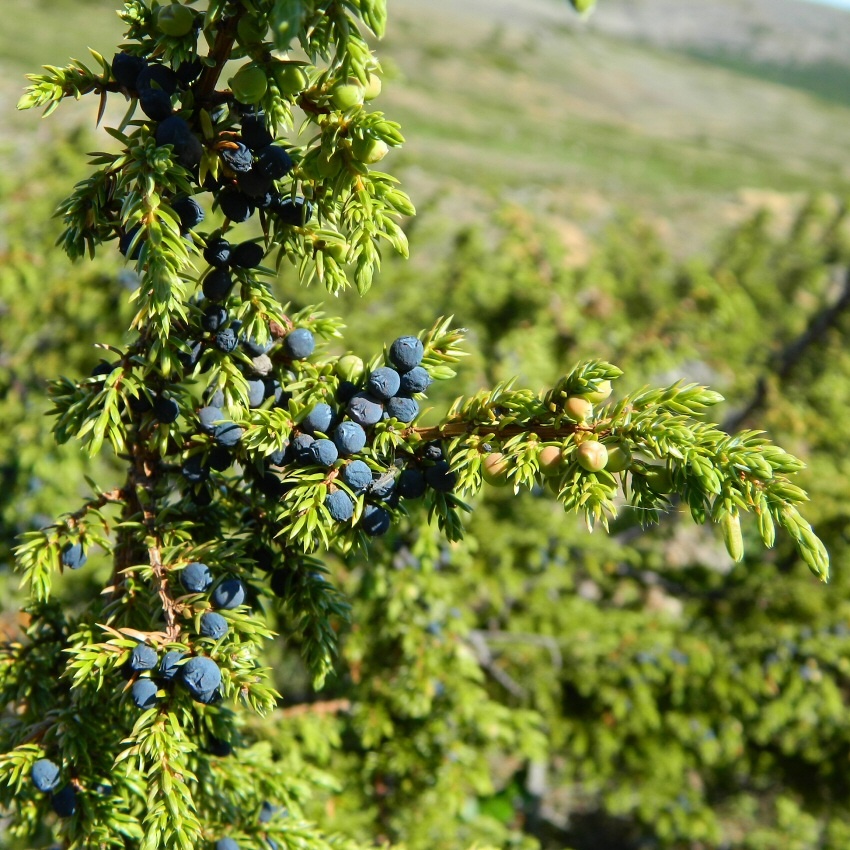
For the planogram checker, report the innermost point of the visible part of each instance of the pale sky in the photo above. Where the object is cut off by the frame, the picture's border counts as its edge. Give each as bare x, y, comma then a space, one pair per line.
843, 4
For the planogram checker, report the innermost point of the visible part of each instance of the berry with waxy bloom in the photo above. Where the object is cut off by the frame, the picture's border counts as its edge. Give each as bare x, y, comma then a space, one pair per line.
45, 775
339, 505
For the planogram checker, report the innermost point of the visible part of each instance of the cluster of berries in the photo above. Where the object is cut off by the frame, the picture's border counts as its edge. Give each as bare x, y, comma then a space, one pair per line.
590, 453
46, 777
250, 163
200, 675
331, 438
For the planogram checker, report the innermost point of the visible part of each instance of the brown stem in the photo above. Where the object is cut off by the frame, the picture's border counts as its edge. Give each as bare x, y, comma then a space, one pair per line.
143, 476
458, 429
220, 54
117, 494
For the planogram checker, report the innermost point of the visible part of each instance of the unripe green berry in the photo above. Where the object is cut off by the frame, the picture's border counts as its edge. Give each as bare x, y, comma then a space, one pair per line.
369, 150
592, 456
583, 5
347, 95
578, 409
328, 166
549, 459
290, 79
494, 469
659, 480
603, 390
350, 368
337, 250
373, 87
175, 19
249, 84
619, 458
251, 30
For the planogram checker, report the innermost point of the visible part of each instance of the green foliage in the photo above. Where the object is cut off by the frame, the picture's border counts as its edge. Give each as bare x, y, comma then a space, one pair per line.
425, 682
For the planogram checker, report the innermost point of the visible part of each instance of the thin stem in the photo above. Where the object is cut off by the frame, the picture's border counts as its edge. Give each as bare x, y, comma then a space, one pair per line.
459, 429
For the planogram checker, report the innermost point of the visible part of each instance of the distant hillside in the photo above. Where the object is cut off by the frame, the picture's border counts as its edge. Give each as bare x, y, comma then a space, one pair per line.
803, 45
665, 107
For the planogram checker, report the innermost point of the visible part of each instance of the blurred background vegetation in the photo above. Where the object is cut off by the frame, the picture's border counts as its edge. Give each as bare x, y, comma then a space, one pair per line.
664, 186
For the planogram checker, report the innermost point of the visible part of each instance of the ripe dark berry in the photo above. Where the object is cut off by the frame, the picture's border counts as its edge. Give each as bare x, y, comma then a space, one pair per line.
143, 693
196, 577
301, 448
235, 205
275, 390
274, 162
256, 185
187, 146
323, 452
217, 253
339, 506
346, 391
219, 747
209, 416
293, 212
45, 775
357, 475
254, 131
299, 344
238, 159
349, 437
318, 419
214, 317
188, 211
256, 349
433, 451
406, 352
213, 625
383, 487
365, 409
402, 408
126, 243
155, 103
169, 667
247, 255
278, 458
227, 433
384, 382
126, 69
202, 677
217, 285
256, 393
219, 458
139, 403
417, 380
229, 594
267, 200
165, 409
190, 359
189, 71
411, 484
64, 802
157, 76
226, 844
375, 520
143, 657
441, 477
73, 556
267, 812
226, 340
279, 583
